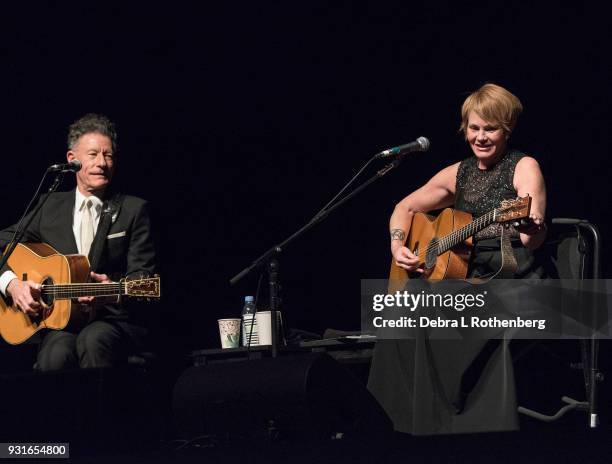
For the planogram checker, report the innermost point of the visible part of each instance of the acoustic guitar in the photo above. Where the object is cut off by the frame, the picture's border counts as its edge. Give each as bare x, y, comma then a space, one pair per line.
443, 243
63, 277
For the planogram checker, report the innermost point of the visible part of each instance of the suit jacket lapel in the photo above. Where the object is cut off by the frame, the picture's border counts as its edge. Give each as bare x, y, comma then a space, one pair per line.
65, 241
110, 209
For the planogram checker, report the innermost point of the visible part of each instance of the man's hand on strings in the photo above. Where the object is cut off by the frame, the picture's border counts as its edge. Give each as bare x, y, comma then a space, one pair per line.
97, 278
26, 295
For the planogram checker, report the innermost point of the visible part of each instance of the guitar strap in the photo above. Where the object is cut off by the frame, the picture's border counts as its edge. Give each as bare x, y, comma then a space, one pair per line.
110, 211
509, 264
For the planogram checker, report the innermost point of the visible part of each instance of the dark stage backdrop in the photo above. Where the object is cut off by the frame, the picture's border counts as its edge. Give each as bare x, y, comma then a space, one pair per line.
239, 120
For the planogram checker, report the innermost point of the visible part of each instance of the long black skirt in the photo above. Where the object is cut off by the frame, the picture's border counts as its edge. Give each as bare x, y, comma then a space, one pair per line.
451, 386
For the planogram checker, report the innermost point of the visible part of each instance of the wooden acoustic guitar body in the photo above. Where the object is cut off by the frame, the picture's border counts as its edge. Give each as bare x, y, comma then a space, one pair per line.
42, 264
452, 264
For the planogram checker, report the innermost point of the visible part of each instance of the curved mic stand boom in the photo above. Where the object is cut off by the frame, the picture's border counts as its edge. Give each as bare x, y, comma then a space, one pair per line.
269, 258
21, 228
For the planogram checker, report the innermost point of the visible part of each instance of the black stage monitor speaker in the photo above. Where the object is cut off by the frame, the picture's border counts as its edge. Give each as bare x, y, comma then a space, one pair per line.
293, 394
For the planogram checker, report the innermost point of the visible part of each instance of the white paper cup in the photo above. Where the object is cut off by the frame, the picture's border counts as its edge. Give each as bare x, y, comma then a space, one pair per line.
263, 327
229, 332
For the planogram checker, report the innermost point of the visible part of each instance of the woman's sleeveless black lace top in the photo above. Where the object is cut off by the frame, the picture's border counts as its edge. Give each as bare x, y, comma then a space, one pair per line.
479, 191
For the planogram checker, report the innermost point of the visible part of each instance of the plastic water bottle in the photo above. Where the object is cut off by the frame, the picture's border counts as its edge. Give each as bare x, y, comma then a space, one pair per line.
248, 319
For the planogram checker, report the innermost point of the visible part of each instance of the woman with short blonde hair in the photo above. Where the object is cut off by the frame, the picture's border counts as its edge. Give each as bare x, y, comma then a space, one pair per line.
437, 386
493, 103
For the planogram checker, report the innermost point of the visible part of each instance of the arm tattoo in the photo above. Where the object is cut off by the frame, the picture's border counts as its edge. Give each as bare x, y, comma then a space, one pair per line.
398, 234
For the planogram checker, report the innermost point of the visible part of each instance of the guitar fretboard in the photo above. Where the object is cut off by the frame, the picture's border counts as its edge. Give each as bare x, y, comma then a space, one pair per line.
61, 291
460, 235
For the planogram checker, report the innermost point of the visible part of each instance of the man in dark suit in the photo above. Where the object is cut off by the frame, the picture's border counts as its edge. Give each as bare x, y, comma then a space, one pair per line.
112, 230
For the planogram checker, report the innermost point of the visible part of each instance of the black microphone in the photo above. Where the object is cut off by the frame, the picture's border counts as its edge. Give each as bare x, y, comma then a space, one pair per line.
73, 166
420, 144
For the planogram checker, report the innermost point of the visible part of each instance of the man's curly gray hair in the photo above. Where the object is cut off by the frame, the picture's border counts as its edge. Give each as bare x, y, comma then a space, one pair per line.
92, 123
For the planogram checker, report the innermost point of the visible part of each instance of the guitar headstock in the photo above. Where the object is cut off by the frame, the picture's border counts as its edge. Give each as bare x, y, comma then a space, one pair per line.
143, 288
512, 210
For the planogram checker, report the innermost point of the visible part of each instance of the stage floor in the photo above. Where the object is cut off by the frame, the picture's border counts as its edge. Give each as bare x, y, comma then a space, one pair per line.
564, 442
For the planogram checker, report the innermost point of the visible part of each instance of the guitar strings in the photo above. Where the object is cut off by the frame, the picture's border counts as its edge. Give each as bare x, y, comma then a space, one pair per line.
457, 236
90, 289
462, 234
69, 290
91, 285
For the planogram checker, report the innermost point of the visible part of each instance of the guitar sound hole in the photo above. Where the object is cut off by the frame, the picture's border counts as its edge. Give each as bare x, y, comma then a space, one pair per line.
48, 298
431, 254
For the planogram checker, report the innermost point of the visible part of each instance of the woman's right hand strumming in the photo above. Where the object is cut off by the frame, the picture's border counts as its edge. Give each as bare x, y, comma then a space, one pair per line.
405, 259
438, 193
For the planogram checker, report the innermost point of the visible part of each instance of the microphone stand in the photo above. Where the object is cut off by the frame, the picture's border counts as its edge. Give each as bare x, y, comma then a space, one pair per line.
21, 229
270, 258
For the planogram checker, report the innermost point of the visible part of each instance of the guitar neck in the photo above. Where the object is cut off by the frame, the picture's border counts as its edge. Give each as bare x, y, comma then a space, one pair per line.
460, 235
65, 291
